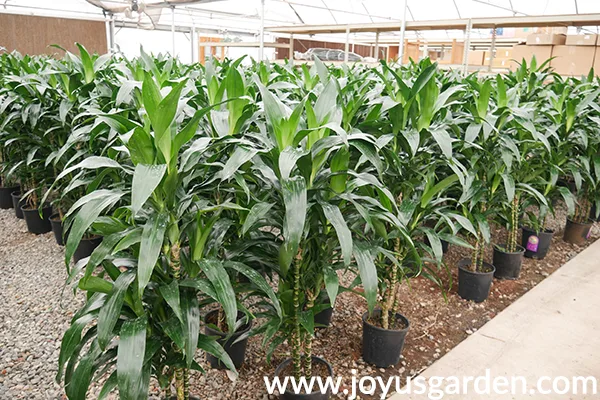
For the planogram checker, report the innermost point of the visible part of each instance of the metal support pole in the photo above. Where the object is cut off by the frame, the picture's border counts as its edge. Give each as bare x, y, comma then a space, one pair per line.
492, 50
193, 43
467, 47
173, 29
110, 33
377, 45
402, 34
261, 50
291, 56
347, 47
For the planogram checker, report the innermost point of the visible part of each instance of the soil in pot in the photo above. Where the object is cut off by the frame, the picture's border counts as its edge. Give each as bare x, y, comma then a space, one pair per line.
508, 264
536, 244
5, 198
383, 347
17, 204
474, 286
36, 223
577, 233
57, 229
233, 346
320, 368
86, 247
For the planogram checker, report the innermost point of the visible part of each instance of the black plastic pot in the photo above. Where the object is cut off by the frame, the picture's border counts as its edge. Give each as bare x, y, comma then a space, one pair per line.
311, 396
237, 351
57, 229
383, 347
474, 286
577, 233
17, 203
508, 264
593, 216
536, 244
5, 198
86, 247
323, 317
35, 223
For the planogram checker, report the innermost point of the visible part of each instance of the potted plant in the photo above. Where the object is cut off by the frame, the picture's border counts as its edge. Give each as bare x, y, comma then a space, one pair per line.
304, 163
147, 279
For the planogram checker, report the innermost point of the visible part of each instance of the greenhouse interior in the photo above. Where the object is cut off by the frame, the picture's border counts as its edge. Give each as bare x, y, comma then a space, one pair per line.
299, 199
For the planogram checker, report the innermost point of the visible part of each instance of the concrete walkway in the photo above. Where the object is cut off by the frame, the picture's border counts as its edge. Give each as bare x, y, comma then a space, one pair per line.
553, 330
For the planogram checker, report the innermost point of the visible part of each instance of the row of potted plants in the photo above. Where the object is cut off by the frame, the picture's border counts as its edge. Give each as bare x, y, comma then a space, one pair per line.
236, 194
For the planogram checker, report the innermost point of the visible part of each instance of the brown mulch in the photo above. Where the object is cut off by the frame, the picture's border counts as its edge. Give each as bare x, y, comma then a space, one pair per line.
436, 326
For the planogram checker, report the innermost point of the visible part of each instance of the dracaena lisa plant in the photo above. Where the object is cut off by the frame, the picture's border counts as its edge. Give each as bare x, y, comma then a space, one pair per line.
305, 162
156, 265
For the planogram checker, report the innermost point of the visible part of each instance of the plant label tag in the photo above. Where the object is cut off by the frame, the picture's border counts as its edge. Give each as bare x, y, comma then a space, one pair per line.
587, 237
533, 243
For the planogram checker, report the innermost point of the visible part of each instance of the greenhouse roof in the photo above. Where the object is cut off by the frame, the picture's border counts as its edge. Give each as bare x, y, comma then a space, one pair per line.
245, 14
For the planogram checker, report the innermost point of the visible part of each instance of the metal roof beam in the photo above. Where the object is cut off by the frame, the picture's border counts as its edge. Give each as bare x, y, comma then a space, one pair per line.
453, 24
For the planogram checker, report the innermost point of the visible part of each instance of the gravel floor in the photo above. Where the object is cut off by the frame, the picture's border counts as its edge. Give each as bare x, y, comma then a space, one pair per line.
32, 318
35, 313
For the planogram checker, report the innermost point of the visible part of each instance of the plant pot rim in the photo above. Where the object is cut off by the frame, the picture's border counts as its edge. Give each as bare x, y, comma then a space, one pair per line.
546, 230
287, 361
15, 193
365, 319
589, 222
55, 217
466, 261
45, 207
10, 187
520, 250
244, 329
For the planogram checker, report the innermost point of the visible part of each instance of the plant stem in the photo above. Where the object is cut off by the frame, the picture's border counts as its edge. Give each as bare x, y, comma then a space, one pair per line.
186, 383
308, 344
179, 384
475, 257
296, 339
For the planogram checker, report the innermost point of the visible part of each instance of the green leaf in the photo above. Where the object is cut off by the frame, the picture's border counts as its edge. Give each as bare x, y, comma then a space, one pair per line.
296, 206
332, 284
443, 139
146, 179
335, 217
71, 340
88, 64
85, 217
258, 280
153, 236
240, 156
110, 384
437, 189
257, 212
217, 275
170, 293
163, 118
368, 274
111, 310
509, 186
211, 346
288, 159
82, 377
191, 323
140, 147
130, 360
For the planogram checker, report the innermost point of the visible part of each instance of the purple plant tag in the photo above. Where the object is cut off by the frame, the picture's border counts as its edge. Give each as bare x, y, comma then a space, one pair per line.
533, 243
588, 234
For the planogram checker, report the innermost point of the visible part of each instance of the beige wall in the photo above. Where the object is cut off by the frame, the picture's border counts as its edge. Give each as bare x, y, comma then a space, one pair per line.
32, 35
